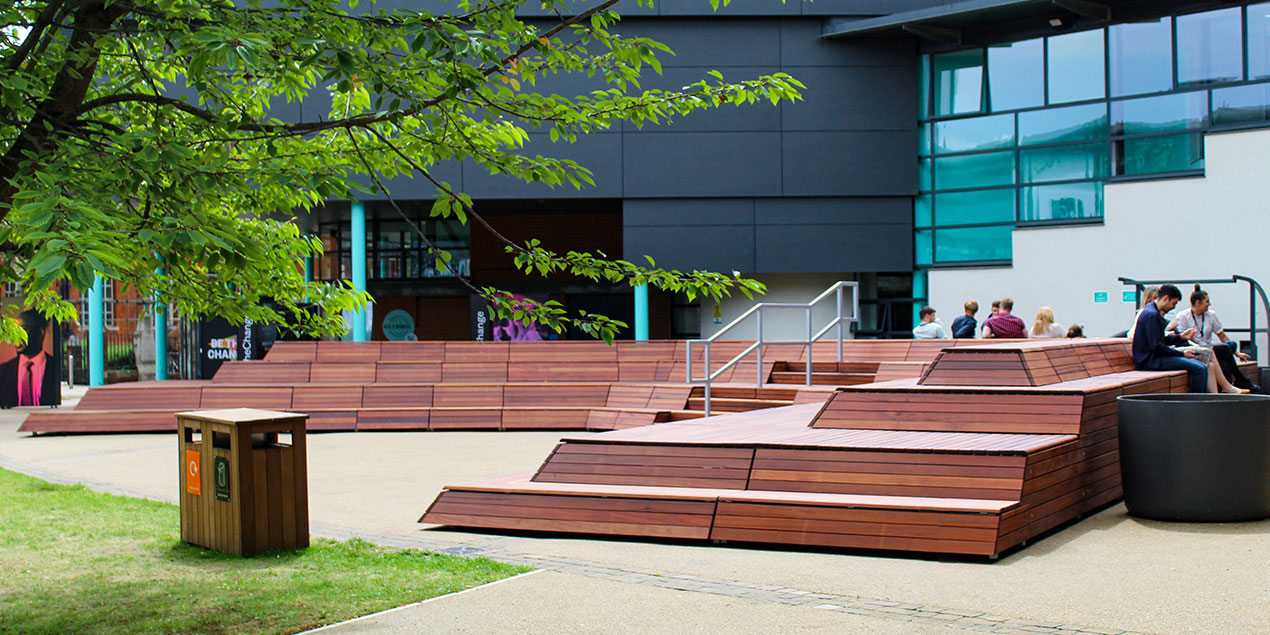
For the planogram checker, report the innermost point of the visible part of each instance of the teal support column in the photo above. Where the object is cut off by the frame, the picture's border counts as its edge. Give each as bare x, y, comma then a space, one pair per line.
920, 290
96, 334
359, 266
308, 268
160, 337
641, 312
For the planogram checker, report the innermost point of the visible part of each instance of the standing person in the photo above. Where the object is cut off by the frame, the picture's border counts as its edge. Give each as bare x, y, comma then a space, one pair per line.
964, 326
1207, 327
1151, 347
929, 329
1045, 326
1004, 325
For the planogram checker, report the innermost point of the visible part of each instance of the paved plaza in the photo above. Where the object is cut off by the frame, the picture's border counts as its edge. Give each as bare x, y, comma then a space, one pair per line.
1107, 574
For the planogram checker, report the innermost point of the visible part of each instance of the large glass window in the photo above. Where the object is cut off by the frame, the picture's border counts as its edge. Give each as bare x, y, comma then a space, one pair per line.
971, 244
1166, 113
1241, 104
1259, 41
1016, 75
1076, 67
922, 216
1160, 155
972, 208
923, 247
974, 170
958, 82
1054, 125
979, 133
1141, 57
1068, 201
1064, 163
1210, 47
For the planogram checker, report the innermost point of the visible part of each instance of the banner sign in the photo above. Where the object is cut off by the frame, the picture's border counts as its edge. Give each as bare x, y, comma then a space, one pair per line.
486, 327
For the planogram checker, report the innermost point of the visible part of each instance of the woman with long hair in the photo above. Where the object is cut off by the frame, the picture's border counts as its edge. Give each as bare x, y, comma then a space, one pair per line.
1045, 326
1208, 327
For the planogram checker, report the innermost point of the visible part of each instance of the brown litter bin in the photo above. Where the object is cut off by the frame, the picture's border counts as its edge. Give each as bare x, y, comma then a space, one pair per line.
242, 491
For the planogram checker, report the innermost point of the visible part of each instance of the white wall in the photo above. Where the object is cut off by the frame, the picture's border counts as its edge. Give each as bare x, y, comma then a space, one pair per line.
1202, 227
786, 324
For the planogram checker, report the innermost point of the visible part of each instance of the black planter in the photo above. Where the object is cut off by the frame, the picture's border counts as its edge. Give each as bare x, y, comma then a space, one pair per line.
1195, 457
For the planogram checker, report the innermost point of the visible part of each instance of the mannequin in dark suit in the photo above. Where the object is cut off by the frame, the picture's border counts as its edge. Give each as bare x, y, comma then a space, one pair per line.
31, 356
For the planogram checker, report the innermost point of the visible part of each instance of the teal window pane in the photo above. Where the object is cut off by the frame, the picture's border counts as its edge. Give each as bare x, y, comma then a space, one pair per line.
1068, 201
1160, 155
923, 87
1210, 47
1241, 104
973, 244
974, 170
1063, 163
923, 139
1166, 113
1259, 40
1076, 67
924, 179
968, 208
1054, 125
922, 216
958, 82
979, 133
923, 247
1141, 57
1016, 75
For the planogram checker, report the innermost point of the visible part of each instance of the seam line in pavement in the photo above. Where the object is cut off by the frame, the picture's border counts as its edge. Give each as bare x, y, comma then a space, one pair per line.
855, 605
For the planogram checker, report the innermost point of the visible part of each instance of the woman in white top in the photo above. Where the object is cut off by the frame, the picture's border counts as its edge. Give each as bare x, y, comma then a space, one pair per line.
1210, 334
1045, 326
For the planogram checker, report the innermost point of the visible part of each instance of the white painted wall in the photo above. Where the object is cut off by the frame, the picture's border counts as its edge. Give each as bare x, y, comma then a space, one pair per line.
788, 324
1203, 227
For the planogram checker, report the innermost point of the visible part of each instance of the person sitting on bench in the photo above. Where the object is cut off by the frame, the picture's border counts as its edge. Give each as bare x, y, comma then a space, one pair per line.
1151, 347
1207, 327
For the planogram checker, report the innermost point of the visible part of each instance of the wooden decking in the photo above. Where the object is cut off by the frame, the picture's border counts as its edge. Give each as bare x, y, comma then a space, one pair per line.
918, 464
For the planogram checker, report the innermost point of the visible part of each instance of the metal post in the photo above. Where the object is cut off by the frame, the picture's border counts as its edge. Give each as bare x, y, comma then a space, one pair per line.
810, 345
641, 312
839, 323
96, 333
308, 268
358, 221
160, 336
688, 374
1252, 321
707, 379
70, 370
759, 350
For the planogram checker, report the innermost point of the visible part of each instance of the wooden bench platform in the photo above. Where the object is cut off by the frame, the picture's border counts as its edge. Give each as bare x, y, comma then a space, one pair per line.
918, 464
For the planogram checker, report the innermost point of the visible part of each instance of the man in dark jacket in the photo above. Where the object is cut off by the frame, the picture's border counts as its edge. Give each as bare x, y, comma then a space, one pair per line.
1151, 347
964, 326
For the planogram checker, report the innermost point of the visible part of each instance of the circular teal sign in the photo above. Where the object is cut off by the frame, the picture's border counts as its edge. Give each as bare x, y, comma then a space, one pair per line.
398, 325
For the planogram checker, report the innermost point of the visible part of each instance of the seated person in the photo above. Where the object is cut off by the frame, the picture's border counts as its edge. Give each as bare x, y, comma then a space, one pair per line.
964, 326
1152, 349
929, 329
1045, 326
1207, 327
1003, 324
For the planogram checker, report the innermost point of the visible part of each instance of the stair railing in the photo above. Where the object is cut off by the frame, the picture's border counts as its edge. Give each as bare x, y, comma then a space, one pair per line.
757, 347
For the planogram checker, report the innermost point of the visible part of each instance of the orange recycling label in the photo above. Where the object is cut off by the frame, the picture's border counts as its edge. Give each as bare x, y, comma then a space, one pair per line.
193, 472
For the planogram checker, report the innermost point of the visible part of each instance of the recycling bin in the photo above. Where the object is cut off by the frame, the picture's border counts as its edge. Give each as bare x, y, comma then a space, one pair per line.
244, 488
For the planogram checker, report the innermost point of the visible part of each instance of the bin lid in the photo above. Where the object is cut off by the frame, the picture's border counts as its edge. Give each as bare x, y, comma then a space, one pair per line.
240, 415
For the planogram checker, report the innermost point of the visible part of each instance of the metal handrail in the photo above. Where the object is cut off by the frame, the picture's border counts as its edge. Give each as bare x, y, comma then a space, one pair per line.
757, 346
1255, 290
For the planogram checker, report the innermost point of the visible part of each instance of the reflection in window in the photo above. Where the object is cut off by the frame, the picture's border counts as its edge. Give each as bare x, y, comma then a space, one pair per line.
1076, 64
924, 175
973, 243
1241, 104
1074, 123
1064, 163
1141, 57
979, 133
1160, 155
958, 82
975, 170
968, 208
922, 216
1068, 201
1016, 75
923, 87
1259, 40
923, 253
1166, 113
1210, 47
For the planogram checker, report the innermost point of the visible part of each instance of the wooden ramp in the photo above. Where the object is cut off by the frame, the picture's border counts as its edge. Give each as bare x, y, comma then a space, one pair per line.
918, 464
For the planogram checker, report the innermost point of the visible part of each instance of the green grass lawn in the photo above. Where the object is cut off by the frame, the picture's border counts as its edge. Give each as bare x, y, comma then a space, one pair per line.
75, 561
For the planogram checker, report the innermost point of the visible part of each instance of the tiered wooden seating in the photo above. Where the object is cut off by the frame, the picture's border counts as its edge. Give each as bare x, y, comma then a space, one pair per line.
911, 464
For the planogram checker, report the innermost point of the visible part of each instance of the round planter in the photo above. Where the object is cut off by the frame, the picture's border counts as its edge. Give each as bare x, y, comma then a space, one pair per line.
1196, 457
